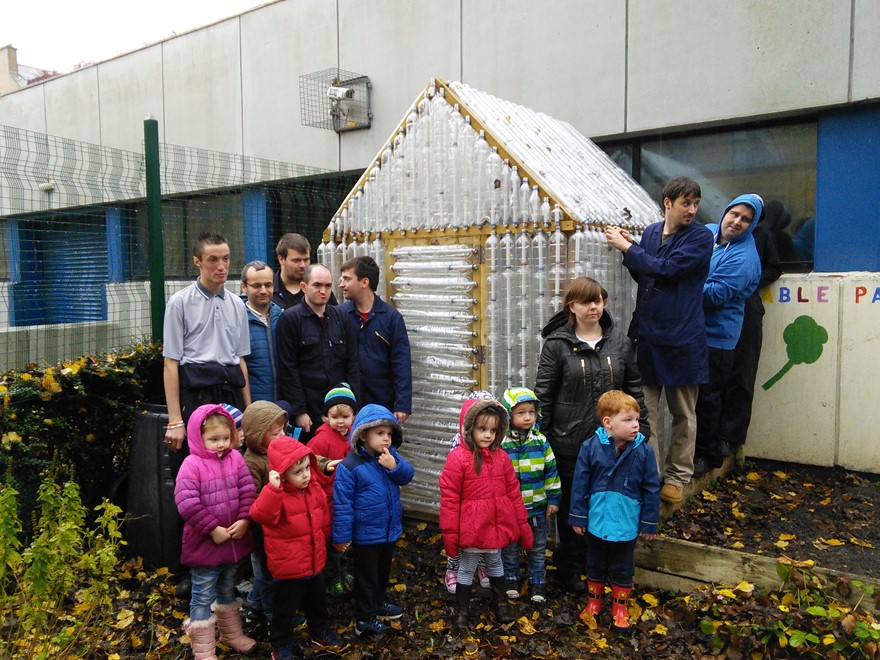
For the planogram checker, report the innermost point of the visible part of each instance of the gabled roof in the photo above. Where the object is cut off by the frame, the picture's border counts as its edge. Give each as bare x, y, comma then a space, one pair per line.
567, 167
577, 174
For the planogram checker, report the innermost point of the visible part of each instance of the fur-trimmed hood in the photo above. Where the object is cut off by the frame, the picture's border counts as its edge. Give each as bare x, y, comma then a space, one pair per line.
257, 419
372, 415
471, 409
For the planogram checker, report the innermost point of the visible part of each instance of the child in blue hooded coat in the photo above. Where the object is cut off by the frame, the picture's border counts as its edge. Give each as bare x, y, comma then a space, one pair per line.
615, 499
367, 513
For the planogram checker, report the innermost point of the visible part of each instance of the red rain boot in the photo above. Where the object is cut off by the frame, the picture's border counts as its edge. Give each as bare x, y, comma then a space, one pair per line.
596, 593
619, 611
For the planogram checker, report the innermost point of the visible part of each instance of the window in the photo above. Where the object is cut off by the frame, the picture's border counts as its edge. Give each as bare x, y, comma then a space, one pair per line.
777, 161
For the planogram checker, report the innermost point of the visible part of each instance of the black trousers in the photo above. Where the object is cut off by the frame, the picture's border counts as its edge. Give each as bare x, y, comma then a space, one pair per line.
710, 410
736, 398
570, 555
372, 568
614, 559
289, 596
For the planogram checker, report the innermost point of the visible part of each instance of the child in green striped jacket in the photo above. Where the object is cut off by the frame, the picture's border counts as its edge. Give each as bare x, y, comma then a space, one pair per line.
535, 467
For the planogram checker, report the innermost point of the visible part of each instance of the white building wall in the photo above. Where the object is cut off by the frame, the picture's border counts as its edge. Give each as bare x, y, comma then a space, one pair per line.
607, 66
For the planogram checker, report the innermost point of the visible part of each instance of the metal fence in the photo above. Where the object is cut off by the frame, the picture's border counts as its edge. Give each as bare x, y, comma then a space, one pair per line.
74, 272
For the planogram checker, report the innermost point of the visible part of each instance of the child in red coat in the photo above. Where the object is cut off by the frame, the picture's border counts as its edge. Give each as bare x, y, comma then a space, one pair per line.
292, 510
481, 507
331, 442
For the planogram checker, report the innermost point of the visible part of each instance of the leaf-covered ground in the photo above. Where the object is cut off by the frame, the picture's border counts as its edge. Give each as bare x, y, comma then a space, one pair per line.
828, 515
720, 621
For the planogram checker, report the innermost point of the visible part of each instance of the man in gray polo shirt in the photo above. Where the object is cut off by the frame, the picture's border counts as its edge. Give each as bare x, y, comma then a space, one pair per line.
206, 337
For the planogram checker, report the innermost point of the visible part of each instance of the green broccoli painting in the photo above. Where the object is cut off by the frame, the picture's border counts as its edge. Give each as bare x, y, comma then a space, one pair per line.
804, 339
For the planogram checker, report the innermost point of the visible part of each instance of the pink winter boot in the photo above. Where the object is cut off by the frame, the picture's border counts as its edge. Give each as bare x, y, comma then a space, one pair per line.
229, 622
201, 638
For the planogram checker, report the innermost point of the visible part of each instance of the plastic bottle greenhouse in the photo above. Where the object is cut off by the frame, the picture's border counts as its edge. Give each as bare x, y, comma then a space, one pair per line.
479, 212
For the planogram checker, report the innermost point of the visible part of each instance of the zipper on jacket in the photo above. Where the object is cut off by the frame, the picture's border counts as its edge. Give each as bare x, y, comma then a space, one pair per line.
382, 338
584, 371
610, 370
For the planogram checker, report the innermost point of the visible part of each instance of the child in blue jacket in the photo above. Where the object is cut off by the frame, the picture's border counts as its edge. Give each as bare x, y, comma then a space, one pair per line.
615, 499
367, 513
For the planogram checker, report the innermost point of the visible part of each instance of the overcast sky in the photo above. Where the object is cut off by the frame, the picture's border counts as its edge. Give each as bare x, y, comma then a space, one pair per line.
59, 34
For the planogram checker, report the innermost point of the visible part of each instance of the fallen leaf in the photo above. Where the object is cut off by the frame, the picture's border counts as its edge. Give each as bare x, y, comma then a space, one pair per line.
399, 587
863, 544
659, 629
779, 474
650, 599
752, 476
833, 542
422, 527
525, 626
124, 619
437, 626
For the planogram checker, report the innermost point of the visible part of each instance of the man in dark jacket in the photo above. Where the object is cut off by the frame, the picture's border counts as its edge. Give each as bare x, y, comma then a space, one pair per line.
670, 264
317, 348
294, 256
383, 345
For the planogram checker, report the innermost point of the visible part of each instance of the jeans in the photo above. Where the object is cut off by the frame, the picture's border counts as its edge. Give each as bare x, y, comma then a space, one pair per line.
260, 596
210, 583
534, 557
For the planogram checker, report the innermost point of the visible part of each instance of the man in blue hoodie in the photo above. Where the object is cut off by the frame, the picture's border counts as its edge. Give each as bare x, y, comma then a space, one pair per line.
734, 273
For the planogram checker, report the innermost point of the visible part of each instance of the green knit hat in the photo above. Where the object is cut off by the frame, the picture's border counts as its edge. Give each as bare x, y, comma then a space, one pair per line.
516, 395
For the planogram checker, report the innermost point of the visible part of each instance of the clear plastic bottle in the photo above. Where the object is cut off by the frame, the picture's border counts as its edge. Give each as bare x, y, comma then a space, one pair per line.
493, 335
504, 191
525, 306
467, 182
524, 194
539, 259
535, 207
512, 194
493, 166
558, 261
481, 183
577, 254
509, 294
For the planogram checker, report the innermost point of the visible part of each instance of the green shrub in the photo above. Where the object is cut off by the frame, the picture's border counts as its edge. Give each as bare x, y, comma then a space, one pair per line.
82, 410
56, 593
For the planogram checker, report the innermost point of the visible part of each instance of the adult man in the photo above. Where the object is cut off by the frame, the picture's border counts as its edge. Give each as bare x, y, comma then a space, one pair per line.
263, 315
293, 252
317, 348
670, 265
740, 388
383, 345
734, 273
206, 337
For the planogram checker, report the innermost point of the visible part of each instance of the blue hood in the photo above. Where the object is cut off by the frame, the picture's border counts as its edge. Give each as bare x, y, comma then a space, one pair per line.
751, 199
374, 415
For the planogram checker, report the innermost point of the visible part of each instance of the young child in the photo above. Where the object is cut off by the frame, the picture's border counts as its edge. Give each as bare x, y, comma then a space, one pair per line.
615, 499
535, 467
292, 509
451, 576
331, 441
261, 423
214, 492
481, 509
367, 513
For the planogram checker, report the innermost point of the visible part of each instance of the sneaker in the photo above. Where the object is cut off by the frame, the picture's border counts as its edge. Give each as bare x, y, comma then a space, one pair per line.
701, 467
389, 611
483, 574
536, 594
451, 579
671, 493
282, 653
329, 641
371, 627
336, 590
512, 590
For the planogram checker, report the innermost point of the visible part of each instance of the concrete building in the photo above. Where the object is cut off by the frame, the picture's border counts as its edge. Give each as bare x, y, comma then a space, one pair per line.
781, 97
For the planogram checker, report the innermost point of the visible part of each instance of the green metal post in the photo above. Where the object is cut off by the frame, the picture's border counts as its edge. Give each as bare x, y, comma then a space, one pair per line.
154, 227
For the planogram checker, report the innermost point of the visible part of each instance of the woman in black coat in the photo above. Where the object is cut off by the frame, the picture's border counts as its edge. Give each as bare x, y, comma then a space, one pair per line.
583, 357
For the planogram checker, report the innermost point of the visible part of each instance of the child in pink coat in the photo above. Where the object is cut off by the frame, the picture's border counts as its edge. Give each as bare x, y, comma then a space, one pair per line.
481, 507
214, 492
